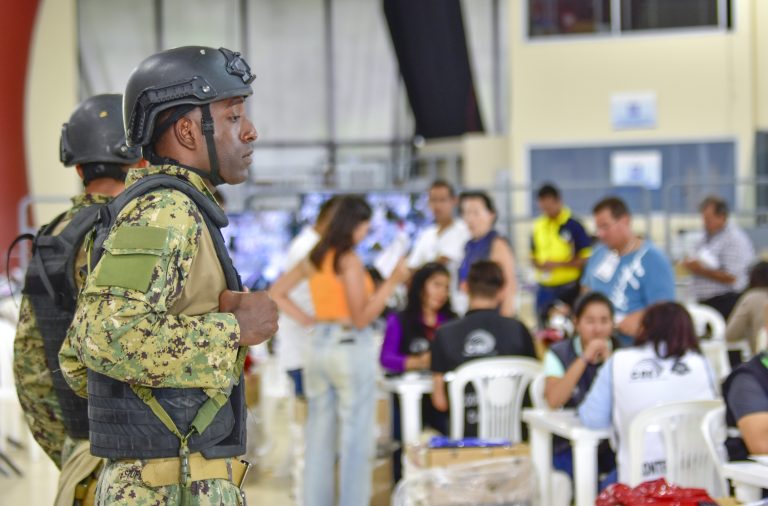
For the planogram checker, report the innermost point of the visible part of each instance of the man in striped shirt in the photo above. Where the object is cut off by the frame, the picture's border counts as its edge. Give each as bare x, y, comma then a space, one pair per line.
722, 259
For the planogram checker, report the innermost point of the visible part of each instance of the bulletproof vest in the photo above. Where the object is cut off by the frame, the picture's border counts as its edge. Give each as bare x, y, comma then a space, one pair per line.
122, 426
50, 287
412, 340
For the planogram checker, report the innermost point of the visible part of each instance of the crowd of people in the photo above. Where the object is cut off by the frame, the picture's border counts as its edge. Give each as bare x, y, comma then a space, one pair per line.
135, 327
631, 346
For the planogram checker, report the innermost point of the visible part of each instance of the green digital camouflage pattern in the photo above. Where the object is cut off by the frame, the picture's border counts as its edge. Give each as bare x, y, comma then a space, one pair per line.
120, 484
130, 334
34, 384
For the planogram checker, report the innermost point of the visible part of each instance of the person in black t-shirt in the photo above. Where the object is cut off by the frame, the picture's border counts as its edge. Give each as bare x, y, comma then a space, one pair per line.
482, 333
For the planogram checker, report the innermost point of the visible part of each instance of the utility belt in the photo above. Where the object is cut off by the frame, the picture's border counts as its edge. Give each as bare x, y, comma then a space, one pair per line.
166, 471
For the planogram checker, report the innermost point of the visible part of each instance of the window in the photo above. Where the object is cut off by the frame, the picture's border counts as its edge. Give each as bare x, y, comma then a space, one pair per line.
559, 17
565, 17
660, 14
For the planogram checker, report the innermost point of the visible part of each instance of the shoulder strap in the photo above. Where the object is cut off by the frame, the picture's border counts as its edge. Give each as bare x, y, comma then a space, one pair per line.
43, 231
213, 215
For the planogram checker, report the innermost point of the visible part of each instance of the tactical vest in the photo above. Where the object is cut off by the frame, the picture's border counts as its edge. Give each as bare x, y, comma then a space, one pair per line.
122, 425
50, 287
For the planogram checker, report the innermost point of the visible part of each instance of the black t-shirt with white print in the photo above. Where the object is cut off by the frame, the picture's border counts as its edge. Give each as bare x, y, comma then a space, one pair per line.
482, 333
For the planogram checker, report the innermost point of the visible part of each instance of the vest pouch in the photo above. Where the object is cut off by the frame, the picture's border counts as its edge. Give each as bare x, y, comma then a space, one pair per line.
134, 257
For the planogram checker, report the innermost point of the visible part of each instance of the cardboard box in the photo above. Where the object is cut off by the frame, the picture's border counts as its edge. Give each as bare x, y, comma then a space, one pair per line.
382, 483
424, 457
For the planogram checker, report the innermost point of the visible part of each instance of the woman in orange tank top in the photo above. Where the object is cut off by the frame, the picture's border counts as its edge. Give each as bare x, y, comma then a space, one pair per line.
340, 373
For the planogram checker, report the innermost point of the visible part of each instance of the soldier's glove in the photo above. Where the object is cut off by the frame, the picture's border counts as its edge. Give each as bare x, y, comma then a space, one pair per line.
256, 314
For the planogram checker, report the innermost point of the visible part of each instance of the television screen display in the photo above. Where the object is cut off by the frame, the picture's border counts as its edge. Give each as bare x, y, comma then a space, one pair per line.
258, 240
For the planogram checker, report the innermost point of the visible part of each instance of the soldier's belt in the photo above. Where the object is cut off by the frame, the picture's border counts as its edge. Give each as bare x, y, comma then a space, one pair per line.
164, 472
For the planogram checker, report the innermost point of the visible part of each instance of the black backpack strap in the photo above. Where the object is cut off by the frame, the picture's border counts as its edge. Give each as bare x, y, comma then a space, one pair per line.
44, 230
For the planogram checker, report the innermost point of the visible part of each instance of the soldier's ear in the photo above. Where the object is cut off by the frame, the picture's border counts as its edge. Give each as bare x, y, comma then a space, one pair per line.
186, 132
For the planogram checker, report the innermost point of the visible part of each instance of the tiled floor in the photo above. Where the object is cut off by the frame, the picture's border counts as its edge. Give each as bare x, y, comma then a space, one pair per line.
265, 485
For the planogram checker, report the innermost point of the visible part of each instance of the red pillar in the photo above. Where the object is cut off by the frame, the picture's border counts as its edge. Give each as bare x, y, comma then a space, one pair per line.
16, 26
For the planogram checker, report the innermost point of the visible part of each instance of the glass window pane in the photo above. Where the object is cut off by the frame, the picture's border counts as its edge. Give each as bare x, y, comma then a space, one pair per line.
562, 17
659, 14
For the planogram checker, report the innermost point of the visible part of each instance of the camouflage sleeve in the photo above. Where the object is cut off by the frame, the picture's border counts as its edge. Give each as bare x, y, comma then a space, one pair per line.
73, 369
124, 327
34, 385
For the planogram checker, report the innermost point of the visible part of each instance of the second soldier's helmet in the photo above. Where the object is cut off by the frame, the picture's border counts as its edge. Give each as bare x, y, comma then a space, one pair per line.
95, 134
190, 75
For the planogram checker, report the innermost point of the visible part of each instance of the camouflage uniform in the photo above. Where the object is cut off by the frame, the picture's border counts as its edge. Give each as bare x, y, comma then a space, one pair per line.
34, 384
169, 335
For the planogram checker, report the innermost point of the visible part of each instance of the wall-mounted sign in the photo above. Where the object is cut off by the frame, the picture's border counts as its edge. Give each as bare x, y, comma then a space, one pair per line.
636, 168
633, 110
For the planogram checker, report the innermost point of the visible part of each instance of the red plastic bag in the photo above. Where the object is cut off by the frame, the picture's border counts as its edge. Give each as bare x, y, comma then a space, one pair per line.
657, 492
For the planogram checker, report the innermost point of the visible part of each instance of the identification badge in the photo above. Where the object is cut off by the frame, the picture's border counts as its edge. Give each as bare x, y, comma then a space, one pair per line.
607, 267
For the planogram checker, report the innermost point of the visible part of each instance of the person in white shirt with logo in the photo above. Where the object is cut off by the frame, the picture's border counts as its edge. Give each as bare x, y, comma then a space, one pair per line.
665, 365
444, 240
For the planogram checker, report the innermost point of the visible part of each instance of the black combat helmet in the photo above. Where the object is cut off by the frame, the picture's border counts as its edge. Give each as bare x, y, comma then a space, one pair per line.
182, 79
94, 134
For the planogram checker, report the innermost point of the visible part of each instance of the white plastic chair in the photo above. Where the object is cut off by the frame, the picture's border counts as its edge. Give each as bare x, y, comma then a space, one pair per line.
500, 384
714, 431
689, 461
537, 392
714, 349
705, 316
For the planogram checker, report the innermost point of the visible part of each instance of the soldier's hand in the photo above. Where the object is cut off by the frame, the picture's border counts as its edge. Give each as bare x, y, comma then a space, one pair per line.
256, 314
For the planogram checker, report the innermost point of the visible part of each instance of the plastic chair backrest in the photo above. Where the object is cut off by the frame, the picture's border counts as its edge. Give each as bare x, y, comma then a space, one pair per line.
705, 316
762, 340
500, 384
716, 353
688, 461
537, 392
714, 431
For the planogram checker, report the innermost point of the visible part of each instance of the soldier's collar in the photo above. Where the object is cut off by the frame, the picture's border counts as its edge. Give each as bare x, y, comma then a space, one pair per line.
89, 199
172, 170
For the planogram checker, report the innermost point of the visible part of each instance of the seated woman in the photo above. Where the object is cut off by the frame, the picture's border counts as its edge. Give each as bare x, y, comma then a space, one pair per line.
571, 366
665, 365
410, 332
408, 339
748, 316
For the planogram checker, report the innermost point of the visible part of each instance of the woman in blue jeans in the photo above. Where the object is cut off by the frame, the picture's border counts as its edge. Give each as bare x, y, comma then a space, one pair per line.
340, 373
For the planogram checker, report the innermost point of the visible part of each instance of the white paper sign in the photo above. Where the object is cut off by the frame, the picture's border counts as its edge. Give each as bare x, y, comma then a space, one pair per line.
636, 168
633, 110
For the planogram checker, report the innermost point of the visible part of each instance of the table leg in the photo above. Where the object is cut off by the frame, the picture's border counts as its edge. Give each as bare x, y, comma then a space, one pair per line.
746, 493
541, 454
585, 471
410, 412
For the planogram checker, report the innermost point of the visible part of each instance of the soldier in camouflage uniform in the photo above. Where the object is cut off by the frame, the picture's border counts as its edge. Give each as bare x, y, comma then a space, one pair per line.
160, 333
94, 140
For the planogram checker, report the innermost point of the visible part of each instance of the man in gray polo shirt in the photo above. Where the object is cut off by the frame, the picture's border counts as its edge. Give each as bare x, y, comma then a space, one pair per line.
721, 261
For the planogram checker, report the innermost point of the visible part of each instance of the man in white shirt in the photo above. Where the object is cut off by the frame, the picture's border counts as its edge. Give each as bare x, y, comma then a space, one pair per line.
444, 240
720, 267
292, 336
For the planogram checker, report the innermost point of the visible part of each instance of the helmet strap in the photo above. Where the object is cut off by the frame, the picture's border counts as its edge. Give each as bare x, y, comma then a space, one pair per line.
207, 123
